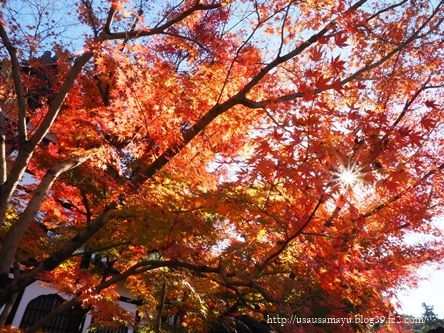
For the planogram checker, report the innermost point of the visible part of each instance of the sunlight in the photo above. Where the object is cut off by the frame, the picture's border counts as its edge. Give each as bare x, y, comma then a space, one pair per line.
348, 177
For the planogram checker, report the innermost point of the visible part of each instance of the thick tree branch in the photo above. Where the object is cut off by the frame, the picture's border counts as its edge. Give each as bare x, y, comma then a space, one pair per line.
148, 265
27, 149
60, 255
3, 171
26, 153
109, 19
10, 303
91, 16
114, 210
16, 232
54, 313
160, 307
136, 269
219, 109
17, 84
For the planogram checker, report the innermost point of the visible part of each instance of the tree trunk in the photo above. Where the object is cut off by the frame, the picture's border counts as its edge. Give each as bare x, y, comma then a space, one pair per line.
7, 310
78, 315
160, 308
11, 300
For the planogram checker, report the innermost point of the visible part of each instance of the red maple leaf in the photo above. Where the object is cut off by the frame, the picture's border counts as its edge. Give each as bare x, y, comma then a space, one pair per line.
428, 123
337, 64
341, 40
316, 54
415, 138
322, 82
431, 104
338, 87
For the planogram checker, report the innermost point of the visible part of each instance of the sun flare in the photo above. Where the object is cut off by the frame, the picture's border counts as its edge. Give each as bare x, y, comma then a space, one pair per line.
348, 177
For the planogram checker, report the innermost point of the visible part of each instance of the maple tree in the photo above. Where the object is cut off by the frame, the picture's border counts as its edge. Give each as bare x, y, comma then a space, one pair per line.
269, 156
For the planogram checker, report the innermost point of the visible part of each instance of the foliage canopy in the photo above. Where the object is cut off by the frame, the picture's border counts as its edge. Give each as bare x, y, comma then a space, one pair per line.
269, 156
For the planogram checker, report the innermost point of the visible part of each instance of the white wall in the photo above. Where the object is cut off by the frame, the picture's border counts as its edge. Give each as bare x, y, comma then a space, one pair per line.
39, 288
34, 290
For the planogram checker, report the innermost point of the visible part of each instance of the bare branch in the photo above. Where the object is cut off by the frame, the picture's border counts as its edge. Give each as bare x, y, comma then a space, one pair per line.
98, 249
386, 9
199, 44
160, 29
91, 17
283, 29
109, 19
410, 102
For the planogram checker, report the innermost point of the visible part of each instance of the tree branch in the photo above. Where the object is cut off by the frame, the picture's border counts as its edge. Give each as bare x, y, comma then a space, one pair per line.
54, 313
10, 303
27, 151
148, 265
160, 307
160, 29
60, 255
109, 19
219, 109
282, 248
17, 84
400, 195
16, 232
3, 169
264, 103
92, 18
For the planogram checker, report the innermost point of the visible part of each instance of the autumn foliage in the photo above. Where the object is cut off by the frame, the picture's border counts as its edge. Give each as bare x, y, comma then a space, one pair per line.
260, 156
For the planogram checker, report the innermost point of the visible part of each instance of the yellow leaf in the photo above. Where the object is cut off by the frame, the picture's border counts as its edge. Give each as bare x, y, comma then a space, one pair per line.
260, 235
